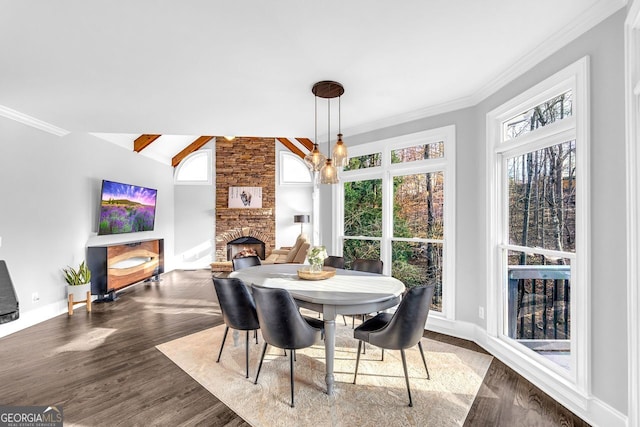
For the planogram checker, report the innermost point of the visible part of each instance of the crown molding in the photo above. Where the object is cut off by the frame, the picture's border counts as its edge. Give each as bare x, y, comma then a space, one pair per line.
587, 20
430, 111
31, 121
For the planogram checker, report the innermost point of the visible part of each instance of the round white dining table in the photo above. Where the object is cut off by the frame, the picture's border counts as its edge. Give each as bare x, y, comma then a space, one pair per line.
348, 292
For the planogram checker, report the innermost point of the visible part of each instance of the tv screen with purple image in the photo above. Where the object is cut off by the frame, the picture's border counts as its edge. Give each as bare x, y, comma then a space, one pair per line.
126, 208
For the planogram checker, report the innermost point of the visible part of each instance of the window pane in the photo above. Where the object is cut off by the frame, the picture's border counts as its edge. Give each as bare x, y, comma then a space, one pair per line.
293, 170
538, 302
418, 205
363, 162
417, 264
542, 204
363, 208
194, 168
555, 109
364, 249
434, 150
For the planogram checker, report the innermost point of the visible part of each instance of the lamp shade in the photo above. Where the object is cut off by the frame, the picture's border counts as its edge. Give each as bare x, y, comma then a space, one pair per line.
302, 219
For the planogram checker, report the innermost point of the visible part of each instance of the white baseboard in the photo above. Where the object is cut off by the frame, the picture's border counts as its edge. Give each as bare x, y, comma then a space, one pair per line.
33, 317
589, 408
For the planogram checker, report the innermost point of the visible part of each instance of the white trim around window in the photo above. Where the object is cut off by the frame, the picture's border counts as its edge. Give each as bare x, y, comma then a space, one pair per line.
570, 388
198, 164
386, 172
632, 116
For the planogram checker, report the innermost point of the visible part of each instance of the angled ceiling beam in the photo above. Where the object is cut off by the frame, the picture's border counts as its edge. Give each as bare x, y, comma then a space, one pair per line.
306, 142
143, 142
194, 146
291, 147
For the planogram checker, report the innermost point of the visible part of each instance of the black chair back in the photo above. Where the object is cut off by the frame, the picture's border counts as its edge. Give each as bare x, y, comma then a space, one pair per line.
334, 261
236, 303
281, 323
368, 265
406, 327
249, 261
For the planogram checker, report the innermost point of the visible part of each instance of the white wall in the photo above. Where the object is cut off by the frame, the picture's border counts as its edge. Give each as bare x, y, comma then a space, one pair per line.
291, 199
195, 222
604, 44
49, 207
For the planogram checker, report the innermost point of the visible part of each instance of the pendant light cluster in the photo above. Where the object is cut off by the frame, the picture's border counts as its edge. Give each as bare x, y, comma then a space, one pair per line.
315, 160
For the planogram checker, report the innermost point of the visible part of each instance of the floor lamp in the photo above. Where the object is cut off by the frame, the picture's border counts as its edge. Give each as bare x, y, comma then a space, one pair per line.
301, 219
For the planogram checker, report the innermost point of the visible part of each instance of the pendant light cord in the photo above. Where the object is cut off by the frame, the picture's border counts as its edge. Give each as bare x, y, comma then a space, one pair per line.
329, 127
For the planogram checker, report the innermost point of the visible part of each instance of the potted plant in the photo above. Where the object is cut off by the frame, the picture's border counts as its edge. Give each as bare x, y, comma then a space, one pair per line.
78, 281
316, 256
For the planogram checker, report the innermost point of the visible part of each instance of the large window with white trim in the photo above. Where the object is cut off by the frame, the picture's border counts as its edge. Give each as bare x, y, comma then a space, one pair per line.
538, 188
396, 199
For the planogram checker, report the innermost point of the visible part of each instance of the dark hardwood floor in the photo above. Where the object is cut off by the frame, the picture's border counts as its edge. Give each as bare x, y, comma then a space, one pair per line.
104, 370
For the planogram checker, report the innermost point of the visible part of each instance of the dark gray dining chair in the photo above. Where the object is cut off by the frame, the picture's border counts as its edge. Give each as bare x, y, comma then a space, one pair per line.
244, 262
369, 266
238, 310
283, 326
398, 331
334, 261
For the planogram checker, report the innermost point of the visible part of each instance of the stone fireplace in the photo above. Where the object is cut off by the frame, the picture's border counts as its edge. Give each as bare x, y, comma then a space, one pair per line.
245, 162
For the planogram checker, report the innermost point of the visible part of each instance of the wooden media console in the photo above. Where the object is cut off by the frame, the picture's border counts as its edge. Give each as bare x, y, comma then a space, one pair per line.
119, 265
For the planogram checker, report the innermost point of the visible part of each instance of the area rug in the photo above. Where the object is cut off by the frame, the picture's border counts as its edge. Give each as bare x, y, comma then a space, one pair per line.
378, 399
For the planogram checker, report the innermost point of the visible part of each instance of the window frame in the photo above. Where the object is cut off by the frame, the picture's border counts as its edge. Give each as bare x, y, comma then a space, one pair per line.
387, 171
281, 160
185, 162
576, 78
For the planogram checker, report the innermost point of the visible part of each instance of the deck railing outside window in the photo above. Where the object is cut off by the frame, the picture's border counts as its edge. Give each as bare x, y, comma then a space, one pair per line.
539, 302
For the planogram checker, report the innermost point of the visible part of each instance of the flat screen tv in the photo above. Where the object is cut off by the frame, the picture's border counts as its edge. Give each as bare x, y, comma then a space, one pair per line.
126, 208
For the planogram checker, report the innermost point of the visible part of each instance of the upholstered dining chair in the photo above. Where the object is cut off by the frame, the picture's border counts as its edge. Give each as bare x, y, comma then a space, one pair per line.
369, 266
334, 261
238, 310
283, 326
248, 261
399, 331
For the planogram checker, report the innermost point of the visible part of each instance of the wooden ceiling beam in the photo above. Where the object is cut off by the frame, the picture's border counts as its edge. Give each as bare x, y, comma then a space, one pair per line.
194, 146
308, 144
143, 141
291, 147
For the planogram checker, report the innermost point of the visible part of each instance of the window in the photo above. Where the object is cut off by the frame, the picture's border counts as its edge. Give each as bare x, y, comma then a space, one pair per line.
396, 200
195, 169
293, 169
538, 208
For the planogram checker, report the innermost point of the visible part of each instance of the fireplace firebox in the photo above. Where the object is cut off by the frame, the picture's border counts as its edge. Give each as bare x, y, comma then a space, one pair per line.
245, 246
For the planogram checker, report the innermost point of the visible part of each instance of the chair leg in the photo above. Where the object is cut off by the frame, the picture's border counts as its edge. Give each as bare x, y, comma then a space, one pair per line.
345, 319
264, 351
424, 360
246, 354
382, 355
291, 364
224, 338
357, 361
255, 334
406, 375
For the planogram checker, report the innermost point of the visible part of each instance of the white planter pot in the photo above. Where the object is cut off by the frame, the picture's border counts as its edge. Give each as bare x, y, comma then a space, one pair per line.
79, 292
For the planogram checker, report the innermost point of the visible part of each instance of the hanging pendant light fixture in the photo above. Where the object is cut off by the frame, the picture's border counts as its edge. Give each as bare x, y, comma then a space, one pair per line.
339, 153
315, 160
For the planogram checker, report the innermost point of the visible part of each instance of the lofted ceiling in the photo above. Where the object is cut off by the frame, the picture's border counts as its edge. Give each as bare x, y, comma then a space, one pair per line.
199, 67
